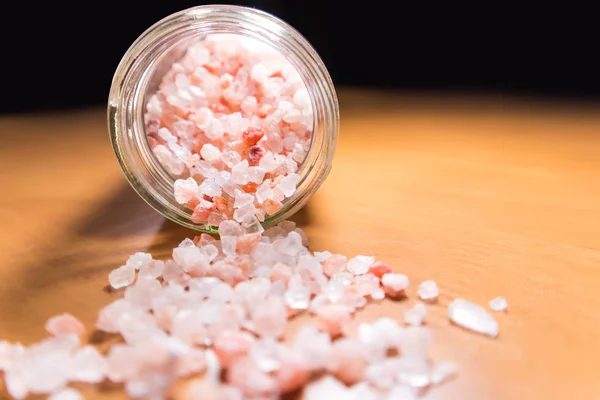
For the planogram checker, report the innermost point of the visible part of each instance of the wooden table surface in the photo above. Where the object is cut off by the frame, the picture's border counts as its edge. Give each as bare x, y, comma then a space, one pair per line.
487, 197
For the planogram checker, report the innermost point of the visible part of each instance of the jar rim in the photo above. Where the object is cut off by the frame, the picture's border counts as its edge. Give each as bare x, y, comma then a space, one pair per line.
126, 99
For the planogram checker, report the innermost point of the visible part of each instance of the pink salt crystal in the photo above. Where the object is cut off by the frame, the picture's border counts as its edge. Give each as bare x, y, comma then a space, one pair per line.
297, 295
333, 317
265, 354
428, 291
364, 391
400, 392
292, 374
379, 269
281, 272
246, 376
326, 387
333, 264
365, 284
270, 318
347, 361
110, 315
207, 389
245, 243
472, 316
360, 265
173, 273
231, 345
415, 315
394, 284
66, 394
498, 304
88, 365
141, 294
9, 353
121, 277
64, 324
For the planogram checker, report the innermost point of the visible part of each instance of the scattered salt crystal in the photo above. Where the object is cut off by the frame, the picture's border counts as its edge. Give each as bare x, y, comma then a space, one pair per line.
88, 365
498, 304
64, 324
394, 284
121, 277
66, 394
472, 316
378, 294
360, 264
415, 315
428, 291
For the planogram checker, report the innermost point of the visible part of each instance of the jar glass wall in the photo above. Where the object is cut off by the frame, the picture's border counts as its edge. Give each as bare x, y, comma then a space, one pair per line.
150, 57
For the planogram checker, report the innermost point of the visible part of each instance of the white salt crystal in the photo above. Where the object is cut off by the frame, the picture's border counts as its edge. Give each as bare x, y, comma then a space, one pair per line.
301, 98
230, 158
264, 191
395, 282
252, 225
256, 174
315, 346
297, 295
66, 394
88, 365
210, 153
415, 315
210, 251
472, 316
213, 129
360, 264
242, 198
259, 73
288, 184
152, 270
166, 135
228, 244
378, 294
322, 255
230, 228
428, 291
498, 304
139, 260
210, 188
244, 212
239, 173
121, 277
185, 190
268, 162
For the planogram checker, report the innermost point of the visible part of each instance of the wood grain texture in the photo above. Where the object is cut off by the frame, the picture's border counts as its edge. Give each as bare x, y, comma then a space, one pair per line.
487, 197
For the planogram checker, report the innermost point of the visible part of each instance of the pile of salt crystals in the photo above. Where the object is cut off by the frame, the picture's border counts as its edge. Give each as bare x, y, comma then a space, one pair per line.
232, 120
221, 307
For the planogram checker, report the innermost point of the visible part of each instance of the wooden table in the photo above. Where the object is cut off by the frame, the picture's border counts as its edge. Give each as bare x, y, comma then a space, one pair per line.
487, 197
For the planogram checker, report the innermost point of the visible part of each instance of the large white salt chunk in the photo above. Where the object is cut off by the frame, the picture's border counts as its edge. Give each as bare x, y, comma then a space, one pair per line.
472, 316
244, 212
139, 260
360, 264
228, 244
301, 98
264, 191
288, 184
394, 284
121, 277
256, 174
213, 129
210, 153
259, 73
242, 199
498, 304
428, 291
185, 190
239, 173
210, 188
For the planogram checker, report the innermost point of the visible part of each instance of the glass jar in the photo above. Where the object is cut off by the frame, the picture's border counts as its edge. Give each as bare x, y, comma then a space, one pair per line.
148, 58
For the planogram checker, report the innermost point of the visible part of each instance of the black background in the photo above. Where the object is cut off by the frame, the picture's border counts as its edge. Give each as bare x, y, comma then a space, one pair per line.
62, 55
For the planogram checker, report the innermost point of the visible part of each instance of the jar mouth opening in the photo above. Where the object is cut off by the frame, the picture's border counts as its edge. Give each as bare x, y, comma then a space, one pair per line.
166, 43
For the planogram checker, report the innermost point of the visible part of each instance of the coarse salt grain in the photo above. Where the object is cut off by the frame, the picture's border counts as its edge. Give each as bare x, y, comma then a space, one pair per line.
428, 291
472, 316
208, 118
498, 304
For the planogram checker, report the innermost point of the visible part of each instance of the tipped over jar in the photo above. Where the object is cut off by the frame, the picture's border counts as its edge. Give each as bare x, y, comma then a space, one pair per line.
221, 113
